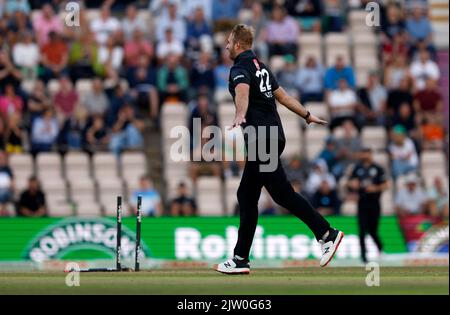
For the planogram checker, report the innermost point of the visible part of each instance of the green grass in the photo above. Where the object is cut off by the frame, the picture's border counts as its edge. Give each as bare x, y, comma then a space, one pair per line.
394, 280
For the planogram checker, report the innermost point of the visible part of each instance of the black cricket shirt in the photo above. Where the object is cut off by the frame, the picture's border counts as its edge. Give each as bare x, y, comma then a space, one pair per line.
372, 174
262, 109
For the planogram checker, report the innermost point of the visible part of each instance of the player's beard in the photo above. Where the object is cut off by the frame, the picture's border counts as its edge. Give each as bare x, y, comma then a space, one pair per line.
232, 53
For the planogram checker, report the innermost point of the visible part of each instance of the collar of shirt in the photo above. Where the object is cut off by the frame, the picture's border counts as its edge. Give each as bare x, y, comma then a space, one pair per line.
245, 54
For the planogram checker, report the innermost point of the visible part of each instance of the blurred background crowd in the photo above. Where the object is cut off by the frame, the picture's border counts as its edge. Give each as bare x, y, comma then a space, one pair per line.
102, 89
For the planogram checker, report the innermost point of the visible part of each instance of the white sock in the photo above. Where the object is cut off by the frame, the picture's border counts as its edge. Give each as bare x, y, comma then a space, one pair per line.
324, 237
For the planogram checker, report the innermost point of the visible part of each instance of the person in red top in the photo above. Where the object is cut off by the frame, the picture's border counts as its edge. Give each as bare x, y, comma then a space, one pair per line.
10, 102
136, 47
428, 102
398, 46
66, 99
54, 57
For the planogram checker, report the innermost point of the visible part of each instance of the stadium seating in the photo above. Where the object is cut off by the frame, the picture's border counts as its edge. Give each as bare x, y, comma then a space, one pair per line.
108, 192
231, 187
292, 131
387, 202
382, 159
106, 167
23, 167
310, 45
88, 208
226, 113
59, 208
374, 137
315, 138
209, 196
82, 190
133, 167
173, 115
431, 160
337, 44
77, 165
77, 183
277, 63
49, 164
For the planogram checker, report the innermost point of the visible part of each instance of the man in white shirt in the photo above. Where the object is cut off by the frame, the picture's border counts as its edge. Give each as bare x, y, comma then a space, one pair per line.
26, 55
132, 21
160, 8
104, 26
342, 103
169, 45
171, 20
403, 152
411, 199
188, 8
423, 69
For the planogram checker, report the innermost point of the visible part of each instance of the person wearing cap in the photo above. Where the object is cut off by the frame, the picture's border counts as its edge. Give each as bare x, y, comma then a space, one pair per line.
403, 152
411, 199
368, 180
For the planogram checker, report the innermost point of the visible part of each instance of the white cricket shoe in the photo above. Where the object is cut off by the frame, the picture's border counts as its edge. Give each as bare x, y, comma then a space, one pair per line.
234, 266
330, 246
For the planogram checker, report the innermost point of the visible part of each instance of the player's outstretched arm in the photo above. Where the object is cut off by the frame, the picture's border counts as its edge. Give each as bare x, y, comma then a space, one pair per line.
292, 104
241, 101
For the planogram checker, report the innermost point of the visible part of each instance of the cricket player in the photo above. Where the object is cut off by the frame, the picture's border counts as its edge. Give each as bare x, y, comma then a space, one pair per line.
254, 90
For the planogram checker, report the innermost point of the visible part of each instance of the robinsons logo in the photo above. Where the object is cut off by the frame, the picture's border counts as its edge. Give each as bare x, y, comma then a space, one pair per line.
72, 235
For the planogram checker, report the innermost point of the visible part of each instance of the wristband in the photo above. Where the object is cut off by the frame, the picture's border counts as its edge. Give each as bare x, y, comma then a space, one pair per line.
307, 115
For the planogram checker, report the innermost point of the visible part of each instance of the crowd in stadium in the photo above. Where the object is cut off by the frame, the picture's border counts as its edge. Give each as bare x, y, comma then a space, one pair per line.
136, 69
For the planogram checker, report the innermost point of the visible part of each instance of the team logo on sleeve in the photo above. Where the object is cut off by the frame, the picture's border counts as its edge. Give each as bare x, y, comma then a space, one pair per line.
256, 64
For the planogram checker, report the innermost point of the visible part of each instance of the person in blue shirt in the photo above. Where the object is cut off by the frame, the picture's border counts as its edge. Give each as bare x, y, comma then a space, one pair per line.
12, 6
419, 30
197, 28
151, 199
338, 72
328, 153
326, 200
221, 72
309, 81
225, 9
418, 25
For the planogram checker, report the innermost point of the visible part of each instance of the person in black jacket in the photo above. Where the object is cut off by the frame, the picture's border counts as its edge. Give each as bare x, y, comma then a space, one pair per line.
368, 180
32, 200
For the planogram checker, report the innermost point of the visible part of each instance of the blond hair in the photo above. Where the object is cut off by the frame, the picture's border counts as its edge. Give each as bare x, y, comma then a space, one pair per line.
243, 34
